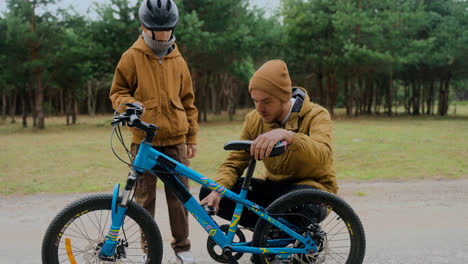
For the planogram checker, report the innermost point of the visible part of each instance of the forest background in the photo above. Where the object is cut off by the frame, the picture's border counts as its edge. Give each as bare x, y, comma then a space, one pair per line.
394, 75
375, 57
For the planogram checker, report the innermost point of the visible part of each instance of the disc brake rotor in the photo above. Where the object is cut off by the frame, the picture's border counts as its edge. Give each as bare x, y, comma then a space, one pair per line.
316, 257
92, 250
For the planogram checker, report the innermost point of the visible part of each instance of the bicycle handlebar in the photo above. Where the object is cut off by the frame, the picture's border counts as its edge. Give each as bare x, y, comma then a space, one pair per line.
277, 150
132, 114
131, 117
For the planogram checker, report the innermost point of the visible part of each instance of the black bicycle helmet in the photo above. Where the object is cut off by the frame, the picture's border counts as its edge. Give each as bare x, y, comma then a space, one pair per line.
158, 15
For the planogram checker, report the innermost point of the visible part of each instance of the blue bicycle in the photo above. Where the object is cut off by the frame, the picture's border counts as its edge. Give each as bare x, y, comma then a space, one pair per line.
304, 226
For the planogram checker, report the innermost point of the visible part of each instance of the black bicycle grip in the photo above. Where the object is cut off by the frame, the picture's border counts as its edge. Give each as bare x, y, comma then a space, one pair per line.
279, 149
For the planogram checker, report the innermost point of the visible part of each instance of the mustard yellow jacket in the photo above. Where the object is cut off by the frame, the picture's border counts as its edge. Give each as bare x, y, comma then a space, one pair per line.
307, 161
165, 89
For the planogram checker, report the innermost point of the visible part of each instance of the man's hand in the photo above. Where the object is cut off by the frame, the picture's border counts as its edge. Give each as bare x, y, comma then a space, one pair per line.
263, 144
191, 151
212, 199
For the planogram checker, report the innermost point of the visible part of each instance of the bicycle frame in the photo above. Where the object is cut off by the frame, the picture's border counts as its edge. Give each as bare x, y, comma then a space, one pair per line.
148, 158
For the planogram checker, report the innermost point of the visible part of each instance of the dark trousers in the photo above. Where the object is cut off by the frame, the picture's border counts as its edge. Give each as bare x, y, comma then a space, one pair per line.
146, 197
262, 192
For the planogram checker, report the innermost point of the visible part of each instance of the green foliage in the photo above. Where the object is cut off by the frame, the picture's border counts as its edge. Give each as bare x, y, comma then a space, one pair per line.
325, 43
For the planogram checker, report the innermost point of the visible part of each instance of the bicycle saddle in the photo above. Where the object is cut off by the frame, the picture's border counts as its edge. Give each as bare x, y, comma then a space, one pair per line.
279, 149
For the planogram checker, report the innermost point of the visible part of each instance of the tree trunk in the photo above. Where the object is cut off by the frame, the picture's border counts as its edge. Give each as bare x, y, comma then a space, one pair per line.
441, 97
415, 97
322, 98
75, 111
377, 99
198, 86
330, 94
68, 107
370, 95
91, 99
389, 98
424, 96
62, 105
231, 103
432, 96
444, 96
13, 107
351, 97
408, 99
206, 99
4, 105
358, 40
357, 109
447, 99
346, 95
40, 89
24, 109
39, 100
214, 95
33, 108
333, 92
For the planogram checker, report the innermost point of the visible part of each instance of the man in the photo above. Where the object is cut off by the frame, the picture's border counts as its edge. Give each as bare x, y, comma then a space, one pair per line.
282, 113
153, 73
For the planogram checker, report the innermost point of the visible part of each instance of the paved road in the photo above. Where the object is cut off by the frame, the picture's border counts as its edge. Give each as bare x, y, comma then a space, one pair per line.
405, 222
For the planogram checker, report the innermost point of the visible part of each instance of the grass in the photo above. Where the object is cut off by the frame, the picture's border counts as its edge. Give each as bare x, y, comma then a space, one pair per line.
401, 148
64, 159
361, 193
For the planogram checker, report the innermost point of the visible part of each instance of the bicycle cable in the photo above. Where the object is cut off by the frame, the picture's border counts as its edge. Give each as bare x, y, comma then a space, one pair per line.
118, 132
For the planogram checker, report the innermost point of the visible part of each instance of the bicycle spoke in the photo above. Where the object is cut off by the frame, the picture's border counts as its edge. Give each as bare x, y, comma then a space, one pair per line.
84, 228
95, 224
78, 233
105, 224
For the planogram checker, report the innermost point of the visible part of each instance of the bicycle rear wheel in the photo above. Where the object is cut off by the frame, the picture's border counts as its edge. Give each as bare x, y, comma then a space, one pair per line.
77, 233
329, 220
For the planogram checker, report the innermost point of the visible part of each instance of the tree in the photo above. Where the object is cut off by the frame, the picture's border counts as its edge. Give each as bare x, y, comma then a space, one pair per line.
43, 29
3, 67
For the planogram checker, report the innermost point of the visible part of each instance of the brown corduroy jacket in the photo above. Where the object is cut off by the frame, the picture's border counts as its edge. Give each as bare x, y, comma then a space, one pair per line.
307, 161
164, 86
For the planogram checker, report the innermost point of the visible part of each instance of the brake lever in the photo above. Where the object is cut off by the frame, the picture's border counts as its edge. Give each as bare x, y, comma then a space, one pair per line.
115, 121
134, 109
131, 105
122, 118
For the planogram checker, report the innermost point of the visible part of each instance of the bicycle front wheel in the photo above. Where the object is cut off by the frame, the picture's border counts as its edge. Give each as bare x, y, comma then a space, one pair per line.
332, 224
78, 232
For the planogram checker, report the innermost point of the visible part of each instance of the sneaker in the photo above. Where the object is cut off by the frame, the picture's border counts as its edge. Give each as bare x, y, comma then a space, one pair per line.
185, 257
144, 259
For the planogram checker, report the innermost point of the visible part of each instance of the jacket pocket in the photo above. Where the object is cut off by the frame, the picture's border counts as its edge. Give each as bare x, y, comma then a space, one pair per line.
178, 120
151, 111
150, 103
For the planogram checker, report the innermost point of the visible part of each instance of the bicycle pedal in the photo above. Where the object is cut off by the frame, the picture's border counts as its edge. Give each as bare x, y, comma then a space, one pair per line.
227, 252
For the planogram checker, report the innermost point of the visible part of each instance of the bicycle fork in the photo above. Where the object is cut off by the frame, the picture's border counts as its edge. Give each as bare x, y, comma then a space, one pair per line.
118, 215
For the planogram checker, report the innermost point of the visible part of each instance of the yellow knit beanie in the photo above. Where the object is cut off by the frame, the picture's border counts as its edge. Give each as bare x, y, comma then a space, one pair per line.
272, 78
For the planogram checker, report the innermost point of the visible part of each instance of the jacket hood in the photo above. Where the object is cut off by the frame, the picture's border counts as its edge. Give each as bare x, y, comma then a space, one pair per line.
302, 104
141, 46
